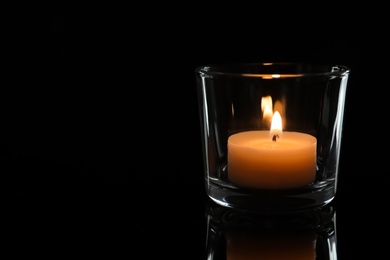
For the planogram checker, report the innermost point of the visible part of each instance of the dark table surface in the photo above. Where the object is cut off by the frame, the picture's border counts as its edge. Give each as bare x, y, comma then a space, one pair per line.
85, 209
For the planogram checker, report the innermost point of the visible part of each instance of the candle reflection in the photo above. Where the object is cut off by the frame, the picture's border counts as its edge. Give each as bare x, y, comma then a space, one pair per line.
234, 235
247, 246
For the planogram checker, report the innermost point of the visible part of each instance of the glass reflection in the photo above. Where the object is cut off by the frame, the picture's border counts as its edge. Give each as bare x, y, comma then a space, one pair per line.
237, 235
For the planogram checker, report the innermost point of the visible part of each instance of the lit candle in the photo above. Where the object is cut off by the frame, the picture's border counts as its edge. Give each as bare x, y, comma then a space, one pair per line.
272, 159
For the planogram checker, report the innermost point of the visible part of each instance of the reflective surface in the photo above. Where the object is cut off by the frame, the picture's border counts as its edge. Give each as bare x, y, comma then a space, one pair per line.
66, 209
233, 234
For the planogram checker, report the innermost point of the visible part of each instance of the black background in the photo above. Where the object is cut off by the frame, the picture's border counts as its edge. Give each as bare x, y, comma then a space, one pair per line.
100, 126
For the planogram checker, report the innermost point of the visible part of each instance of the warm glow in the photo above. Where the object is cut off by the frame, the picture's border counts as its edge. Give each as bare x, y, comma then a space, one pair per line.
276, 125
278, 106
272, 121
266, 108
271, 76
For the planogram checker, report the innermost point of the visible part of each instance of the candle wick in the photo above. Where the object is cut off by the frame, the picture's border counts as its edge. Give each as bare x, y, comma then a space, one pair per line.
274, 137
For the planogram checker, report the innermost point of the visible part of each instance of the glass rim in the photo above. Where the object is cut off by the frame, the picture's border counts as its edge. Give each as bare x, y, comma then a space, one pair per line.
272, 70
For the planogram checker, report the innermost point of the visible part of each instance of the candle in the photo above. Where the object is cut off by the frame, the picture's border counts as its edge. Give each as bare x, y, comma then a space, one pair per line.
272, 159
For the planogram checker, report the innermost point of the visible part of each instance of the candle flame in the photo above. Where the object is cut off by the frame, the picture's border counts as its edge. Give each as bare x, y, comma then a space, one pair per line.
279, 106
276, 126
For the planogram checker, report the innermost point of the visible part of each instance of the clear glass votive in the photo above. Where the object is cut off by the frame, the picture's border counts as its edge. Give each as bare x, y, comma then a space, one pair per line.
271, 133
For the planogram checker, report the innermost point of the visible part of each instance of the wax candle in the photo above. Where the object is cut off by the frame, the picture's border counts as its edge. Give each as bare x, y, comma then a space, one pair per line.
271, 159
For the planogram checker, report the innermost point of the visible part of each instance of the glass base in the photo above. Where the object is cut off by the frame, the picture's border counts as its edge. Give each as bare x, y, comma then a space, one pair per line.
271, 201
